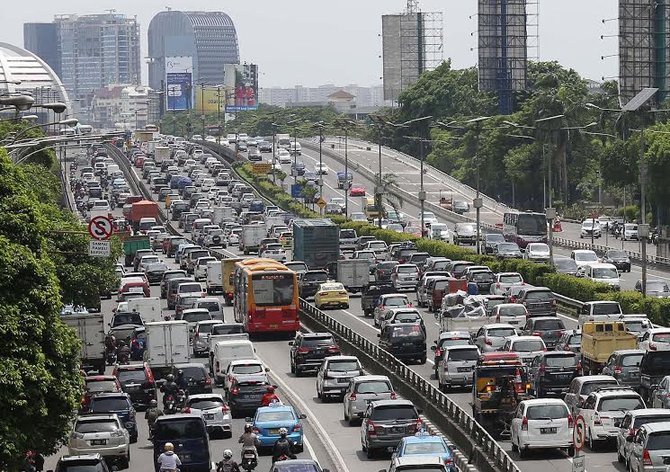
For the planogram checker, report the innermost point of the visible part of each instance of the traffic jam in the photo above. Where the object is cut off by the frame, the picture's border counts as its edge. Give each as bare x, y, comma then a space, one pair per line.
197, 296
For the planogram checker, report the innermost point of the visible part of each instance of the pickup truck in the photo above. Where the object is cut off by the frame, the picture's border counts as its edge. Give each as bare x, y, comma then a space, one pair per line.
600, 339
598, 311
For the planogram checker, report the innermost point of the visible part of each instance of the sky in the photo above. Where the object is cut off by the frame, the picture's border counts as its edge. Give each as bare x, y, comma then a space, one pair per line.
313, 42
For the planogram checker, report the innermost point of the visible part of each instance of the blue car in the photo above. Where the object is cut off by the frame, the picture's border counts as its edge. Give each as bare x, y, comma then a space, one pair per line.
270, 419
120, 404
423, 444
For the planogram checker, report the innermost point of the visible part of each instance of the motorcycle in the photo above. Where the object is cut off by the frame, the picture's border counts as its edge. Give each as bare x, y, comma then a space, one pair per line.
123, 356
170, 404
249, 460
111, 356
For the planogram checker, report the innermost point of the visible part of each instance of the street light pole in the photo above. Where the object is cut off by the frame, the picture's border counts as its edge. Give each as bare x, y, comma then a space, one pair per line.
643, 229
422, 192
346, 173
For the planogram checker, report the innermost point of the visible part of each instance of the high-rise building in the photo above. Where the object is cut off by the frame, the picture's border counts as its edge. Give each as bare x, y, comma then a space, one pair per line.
42, 40
209, 39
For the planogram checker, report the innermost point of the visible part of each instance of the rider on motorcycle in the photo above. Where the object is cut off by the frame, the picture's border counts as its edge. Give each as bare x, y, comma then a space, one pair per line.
123, 353
182, 381
168, 461
269, 396
283, 447
227, 464
249, 439
152, 413
169, 388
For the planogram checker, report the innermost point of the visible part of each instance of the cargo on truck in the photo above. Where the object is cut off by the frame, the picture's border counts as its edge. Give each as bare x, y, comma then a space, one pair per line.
149, 308
132, 244
167, 344
600, 339
316, 242
221, 214
354, 274
251, 238
143, 136
91, 333
142, 209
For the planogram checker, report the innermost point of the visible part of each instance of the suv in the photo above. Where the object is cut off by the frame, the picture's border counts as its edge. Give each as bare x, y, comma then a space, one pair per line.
581, 387
370, 296
552, 372
308, 350
334, 375
245, 395
650, 447
120, 404
653, 367
310, 281
624, 365
83, 463
549, 328
539, 301
405, 276
404, 341
104, 434
457, 366
363, 389
465, 233
386, 422
197, 377
603, 411
138, 382
188, 433
631, 423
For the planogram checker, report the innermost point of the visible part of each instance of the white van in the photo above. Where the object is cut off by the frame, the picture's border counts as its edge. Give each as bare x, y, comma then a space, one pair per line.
149, 308
227, 351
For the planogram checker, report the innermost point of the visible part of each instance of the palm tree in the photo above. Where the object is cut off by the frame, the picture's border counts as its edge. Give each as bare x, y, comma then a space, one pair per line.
395, 201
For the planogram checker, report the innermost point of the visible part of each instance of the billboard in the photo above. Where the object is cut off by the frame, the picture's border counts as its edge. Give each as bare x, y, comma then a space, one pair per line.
179, 83
241, 82
210, 99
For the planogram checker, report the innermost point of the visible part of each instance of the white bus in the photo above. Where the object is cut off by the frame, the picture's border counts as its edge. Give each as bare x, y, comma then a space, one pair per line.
525, 227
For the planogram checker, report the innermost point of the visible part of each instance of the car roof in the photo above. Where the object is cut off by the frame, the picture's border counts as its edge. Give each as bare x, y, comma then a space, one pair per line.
201, 396
418, 460
396, 402
135, 366
615, 392
99, 378
623, 352
656, 427
104, 416
461, 347
525, 338
179, 416
370, 378
544, 401
81, 457
189, 365
497, 325
316, 335
111, 395
454, 334
246, 361
276, 407
648, 412
341, 358
288, 464
423, 438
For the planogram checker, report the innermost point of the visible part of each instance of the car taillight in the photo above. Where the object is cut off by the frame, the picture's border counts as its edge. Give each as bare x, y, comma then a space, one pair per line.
372, 428
542, 369
333, 349
488, 341
410, 305
524, 424
438, 352
321, 294
208, 380
352, 397
393, 396
537, 333
256, 430
618, 370
225, 409
498, 285
235, 391
302, 350
570, 421
297, 428
579, 364
186, 409
652, 347
596, 420
632, 432
646, 458
448, 461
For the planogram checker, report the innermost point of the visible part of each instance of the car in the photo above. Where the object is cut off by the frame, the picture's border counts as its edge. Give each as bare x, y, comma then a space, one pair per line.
284, 157
618, 258
357, 191
82, 463
406, 341
137, 380
629, 231
631, 423
539, 301
155, 272
650, 448
456, 367
386, 301
386, 422
310, 281
214, 410
102, 434
492, 337
624, 366
197, 377
491, 240
357, 215
654, 288
383, 271
528, 347
514, 314
420, 463
334, 375
601, 410
405, 276
333, 295
584, 257
248, 370
551, 372
565, 265
268, 420
542, 423
297, 465
590, 228
465, 233
505, 280
360, 391
424, 444
581, 387
549, 328
537, 252
570, 340
97, 384
507, 250
321, 168
308, 350
655, 339
447, 339
188, 433
120, 404
601, 273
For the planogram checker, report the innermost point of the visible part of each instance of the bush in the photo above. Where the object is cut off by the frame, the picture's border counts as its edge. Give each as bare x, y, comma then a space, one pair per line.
657, 309
572, 287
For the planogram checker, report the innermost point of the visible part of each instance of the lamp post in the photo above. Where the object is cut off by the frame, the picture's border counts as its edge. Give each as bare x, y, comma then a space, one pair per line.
345, 125
68, 122
275, 126
295, 144
320, 125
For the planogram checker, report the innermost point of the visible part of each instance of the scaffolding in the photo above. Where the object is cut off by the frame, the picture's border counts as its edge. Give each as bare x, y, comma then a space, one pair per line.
644, 49
503, 47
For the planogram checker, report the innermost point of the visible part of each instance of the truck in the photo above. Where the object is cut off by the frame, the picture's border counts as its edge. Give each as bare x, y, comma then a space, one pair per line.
214, 279
161, 153
354, 274
167, 344
342, 178
251, 238
603, 310
227, 271
283, 141
223, 213
142, 136
149, 308
90, 331
131, 245
600, 339
271, 221
316, 242
142, 209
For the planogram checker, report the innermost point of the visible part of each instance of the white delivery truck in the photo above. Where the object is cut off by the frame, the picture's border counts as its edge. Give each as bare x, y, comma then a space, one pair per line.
149, 308
113, 170
91, 333
161, 153
223, 213
271, 221
226, 351
167, 344
252, 235
354, 274
283, 141
214, 280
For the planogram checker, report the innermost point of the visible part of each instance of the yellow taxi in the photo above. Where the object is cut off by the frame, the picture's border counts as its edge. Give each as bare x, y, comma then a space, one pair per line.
331, 294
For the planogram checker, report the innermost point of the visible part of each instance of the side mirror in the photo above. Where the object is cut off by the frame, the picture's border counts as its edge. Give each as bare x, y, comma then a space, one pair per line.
275, 387
379, 335
267, 369
432, 348
419, 411
290, 343
248, 419
302, 416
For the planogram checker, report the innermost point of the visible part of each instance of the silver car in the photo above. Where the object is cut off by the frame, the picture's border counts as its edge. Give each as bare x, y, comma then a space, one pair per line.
405, 276
492, 337
457, 366
386, 301
214, 411
362, 390
629, 425
103, 434
650, 449
332, 378
200, 340
505, 280
526, 346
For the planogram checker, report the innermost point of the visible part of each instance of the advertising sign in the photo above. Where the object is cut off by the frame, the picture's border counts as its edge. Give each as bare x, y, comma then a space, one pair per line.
241, 81
210, 99
179, 83
261, 168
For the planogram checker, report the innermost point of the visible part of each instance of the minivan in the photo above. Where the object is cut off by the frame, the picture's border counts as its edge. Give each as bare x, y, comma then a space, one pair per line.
226, 351
188, 433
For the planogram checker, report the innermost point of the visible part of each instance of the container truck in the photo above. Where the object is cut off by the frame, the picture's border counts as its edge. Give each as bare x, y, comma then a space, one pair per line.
252, 235
161, 153
149, 308
316, 242
167, 344
142, 209
600, 339
131, 245
223, 213
91, 333
354, 274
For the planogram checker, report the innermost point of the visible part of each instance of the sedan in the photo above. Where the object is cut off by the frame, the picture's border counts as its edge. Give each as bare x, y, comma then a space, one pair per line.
357, 191
321, 169
332, 294
507, 251
284, 156
618, 258
270, 419
214, 411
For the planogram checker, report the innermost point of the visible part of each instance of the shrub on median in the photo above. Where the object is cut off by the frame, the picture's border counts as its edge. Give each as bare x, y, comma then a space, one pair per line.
658, 309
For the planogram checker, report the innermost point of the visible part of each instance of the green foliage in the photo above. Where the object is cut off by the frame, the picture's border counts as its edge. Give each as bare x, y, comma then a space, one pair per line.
657, 309
573, 287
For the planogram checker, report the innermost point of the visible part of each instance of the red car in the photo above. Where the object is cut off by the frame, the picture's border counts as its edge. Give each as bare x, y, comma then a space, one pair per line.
357, 191
96, 384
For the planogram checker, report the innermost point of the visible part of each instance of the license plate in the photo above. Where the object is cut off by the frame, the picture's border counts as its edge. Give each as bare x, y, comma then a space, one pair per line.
273, 431
254, 397
547, 430
132, 387
464, 369
209, 417
136, 290
398, 430
98, 442
185, 457
407, 344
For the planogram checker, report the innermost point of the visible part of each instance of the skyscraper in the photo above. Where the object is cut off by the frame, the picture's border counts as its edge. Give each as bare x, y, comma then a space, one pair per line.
42, 40
208, 38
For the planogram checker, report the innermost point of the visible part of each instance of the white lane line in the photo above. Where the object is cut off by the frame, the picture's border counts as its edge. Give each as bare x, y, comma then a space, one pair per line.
313, 420
310, 450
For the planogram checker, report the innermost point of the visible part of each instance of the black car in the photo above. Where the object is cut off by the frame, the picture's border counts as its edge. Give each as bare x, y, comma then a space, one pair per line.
549, 328
245, 396
483, 280
167, 276
383, 271
138, 382
565, 265
309, 349
406, 341
370, 296
310, 282
653, 367
197, 377
552, 372
618, 258
120, 404
82, 463
155, 272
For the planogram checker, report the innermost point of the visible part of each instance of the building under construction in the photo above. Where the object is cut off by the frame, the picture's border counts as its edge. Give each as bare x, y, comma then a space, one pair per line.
412, 43
644, 48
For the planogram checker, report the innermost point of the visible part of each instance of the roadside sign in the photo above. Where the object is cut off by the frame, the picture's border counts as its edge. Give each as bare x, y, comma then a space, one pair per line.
100, 228
578, 433
321, 202
261, 168
296, 190
99, 248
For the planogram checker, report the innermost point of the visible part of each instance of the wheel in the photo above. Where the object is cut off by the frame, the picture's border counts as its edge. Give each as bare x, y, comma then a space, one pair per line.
621, 459
346, 417
444, 388
422, 361
292, 367
571, 451
370, 453
299, 449
133, 439
319, 394
592, 443
346, 307
514, 448
522, 452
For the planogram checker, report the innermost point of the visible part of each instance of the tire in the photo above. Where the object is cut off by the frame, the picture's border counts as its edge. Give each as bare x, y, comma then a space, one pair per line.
571, 451
514, 448
346, 307
299, 449
370, 453
444, 388
592, 443
319, 395
621, 459
133, 439
522, 452
422, 361
125, 462
292, 367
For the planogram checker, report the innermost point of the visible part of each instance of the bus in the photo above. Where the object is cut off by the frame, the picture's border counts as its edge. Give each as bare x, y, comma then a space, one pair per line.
525, 227
266, 297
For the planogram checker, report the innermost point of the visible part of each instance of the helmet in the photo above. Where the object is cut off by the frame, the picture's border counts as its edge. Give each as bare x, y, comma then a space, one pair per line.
169, 377
227, 454
180, 372
168, 446
283, 432
248, 428
153, 404
270, 389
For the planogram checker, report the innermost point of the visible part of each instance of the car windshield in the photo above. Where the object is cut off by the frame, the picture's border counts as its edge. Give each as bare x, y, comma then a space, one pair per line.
617, 254
507, 247
540, 248
657, 286
632, 360
343, 366
565, 360
315, 276
101, 386
377, 245
247, 369
510, 279
197, 316
395, 301
103, 405
347, 234
565, 264
227, 329
273, 288
407, 270
483, 277
82, 466
549, 325
190, 288
180, 429
205, 404
195, 373
432, 447
512, 310
446, 342
575, 340
528, 346
605, 273
96, 426
494, 237
620, 404
314, 341
135, 375
649, 419
546, 412
539, 296
394, 412
586, 257
606, 309
661, 337
407, 317
463, 355
406, 331
593, 386
500, 332
210, 306
274, 416
373, 386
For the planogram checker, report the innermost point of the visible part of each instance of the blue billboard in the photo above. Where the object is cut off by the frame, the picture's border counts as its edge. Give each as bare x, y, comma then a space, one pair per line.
179, 91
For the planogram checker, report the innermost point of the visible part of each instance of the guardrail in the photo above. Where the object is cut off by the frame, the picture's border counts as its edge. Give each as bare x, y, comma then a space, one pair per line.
468, 435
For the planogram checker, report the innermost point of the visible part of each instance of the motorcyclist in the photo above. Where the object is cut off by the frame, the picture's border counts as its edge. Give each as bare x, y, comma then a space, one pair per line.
269, 397
151, 415
170, 387
123, 353
249, 439
283, 446
227, 464
110, 342
168, 460
182, 381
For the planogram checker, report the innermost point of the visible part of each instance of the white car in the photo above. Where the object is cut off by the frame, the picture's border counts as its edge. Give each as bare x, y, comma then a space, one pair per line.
274, 251
526, 346
656, 339
590, 227
542, 423
234, 239
248, 370
200, 267
630, 231
600, 272
321, 169
214, 411
584, 257
101, 433
429, 218
284, 157
536, 252
505, 280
